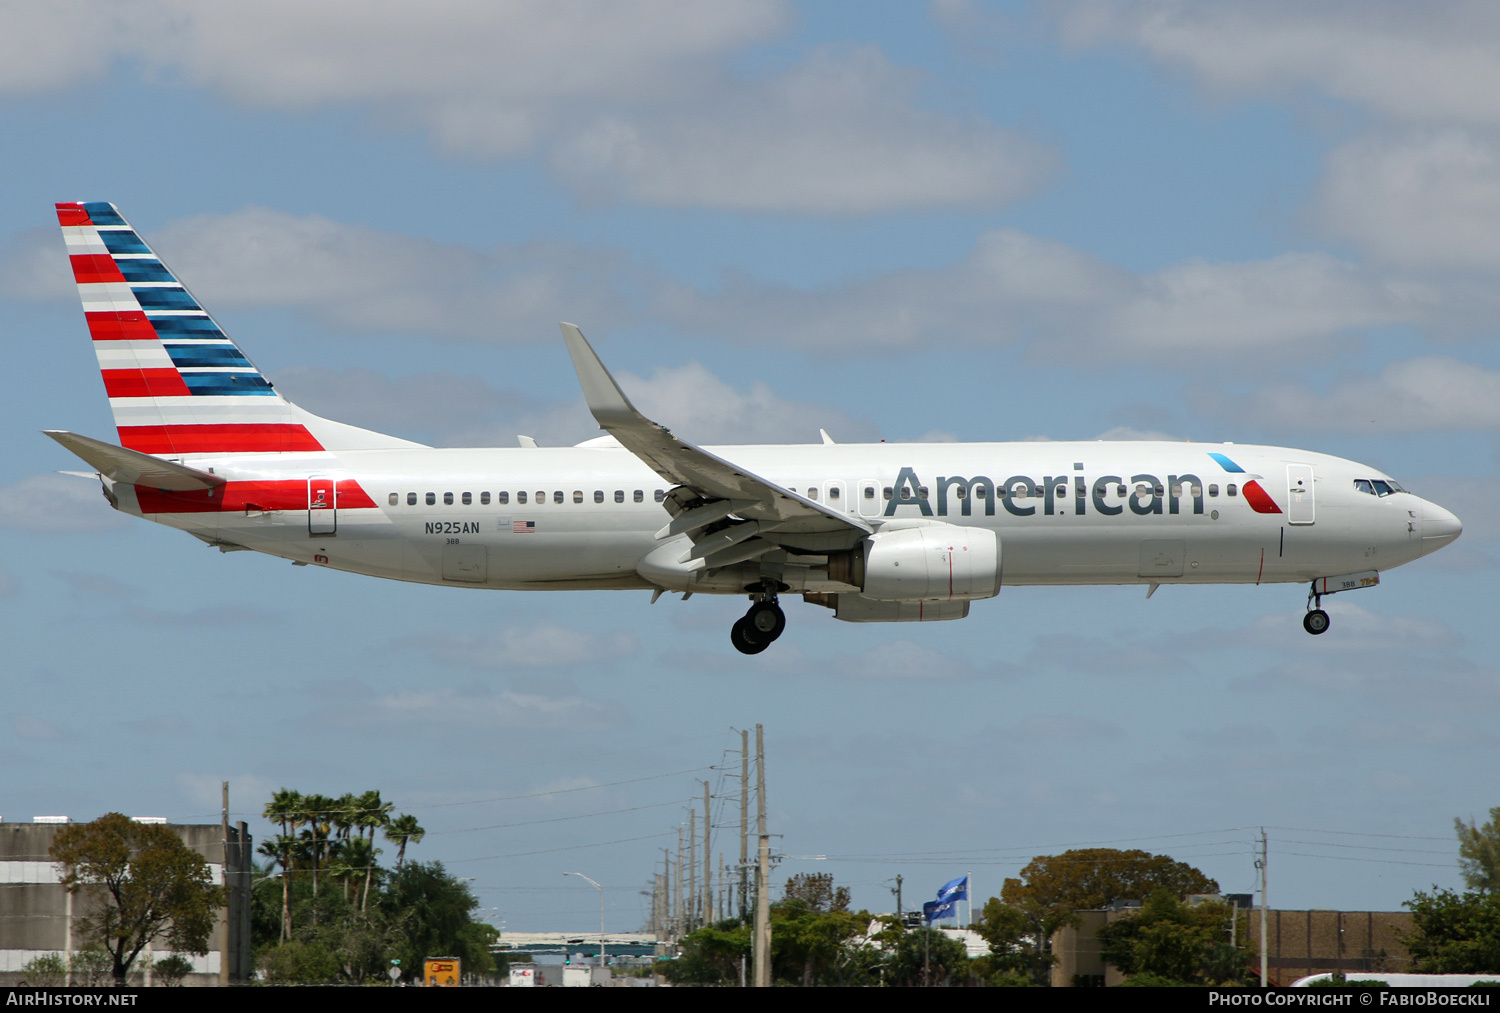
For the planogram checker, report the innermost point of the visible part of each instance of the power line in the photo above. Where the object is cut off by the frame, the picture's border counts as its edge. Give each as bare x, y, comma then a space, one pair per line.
559, 819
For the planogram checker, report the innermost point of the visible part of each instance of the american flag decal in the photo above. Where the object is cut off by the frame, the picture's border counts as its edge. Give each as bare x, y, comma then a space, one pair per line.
523, 527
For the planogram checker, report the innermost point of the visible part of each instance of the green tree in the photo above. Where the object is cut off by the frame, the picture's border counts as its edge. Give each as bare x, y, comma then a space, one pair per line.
49, 970
711, 955
1016, 951
169, 971
806, 945
431, 912
1053, 887
1169, 940
143, 883
1455, 933
1479, 853
817, 891
926, 957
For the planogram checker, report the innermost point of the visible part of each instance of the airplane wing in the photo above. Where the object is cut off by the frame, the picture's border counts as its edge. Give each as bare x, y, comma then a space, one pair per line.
132, 467
712, 489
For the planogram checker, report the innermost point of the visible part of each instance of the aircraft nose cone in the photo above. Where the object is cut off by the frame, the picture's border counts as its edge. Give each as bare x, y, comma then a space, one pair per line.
1439, 527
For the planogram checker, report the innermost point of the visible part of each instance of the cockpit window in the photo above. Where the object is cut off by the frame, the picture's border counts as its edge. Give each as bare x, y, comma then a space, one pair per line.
1376, 486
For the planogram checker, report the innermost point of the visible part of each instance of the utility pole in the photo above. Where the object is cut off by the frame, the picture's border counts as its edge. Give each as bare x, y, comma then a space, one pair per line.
1262, 863
898, 897
666, 893
677, 918
223, 927
692, 869
708, 863
762, 870
744, 822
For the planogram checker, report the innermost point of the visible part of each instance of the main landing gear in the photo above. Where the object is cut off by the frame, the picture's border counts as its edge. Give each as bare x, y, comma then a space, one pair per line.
760, 626
1316, 620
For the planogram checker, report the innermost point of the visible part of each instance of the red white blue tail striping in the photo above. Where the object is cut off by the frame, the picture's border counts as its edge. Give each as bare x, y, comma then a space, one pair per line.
176, 383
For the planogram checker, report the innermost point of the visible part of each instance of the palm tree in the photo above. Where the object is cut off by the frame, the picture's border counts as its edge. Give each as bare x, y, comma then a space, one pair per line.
318, 812
285, 808
372, 814
401, 831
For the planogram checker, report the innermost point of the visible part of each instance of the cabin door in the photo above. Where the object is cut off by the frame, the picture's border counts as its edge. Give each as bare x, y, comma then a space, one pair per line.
1299, 494
322, 506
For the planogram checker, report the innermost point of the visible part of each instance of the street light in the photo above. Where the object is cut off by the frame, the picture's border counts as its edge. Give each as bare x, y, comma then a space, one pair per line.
601, 912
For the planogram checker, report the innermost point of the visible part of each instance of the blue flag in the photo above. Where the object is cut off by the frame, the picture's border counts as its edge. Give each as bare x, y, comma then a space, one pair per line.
954, 890
936, 909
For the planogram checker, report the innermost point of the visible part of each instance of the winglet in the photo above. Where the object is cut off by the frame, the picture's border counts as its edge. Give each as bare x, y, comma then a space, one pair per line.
132, 467
606, 400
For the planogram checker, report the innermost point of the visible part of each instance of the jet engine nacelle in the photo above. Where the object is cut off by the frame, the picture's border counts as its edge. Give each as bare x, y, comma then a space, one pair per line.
933, 562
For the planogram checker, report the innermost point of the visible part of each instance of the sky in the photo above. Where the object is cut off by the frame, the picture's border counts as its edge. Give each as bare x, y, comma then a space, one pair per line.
1265, 222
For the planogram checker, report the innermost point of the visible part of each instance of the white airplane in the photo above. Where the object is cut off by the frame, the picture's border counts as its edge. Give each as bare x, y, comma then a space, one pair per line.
876, 532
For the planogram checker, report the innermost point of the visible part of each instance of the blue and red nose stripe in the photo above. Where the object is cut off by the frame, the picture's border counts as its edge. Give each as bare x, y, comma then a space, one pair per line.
1260, 501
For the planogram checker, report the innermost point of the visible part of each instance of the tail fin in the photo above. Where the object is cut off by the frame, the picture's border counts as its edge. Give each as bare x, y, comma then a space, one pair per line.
176, 383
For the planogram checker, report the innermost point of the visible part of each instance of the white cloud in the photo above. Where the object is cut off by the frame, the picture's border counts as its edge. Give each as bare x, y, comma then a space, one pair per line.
1420, 190
285, 53
634, 101
837, 135
534, 647
451, 410
903, 661
447, 707
1417, 62
1011, 287
1015, 287
693, 401
1427, 200
56, 504
443, 409
1430, 394
1294, 297
358, 278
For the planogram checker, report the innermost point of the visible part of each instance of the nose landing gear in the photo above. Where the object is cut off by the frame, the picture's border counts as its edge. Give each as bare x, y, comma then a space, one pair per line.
760, 626
1316, 620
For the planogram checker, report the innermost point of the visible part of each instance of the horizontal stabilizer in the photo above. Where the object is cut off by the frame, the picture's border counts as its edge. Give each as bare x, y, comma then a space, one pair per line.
134, 468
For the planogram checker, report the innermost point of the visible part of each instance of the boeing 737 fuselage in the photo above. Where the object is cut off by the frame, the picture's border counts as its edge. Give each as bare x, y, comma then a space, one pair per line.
876, 532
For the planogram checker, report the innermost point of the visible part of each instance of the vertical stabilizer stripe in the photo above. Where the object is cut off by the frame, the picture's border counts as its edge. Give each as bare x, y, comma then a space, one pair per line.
90, 268
120, 326
219, 439
143, 382
72, 214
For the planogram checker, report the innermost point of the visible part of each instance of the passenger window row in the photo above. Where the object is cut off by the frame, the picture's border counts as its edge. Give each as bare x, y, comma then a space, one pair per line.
503, 498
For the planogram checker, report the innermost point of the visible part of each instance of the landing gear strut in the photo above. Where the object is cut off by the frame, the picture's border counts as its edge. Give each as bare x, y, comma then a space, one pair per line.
1316, 620
760, 626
